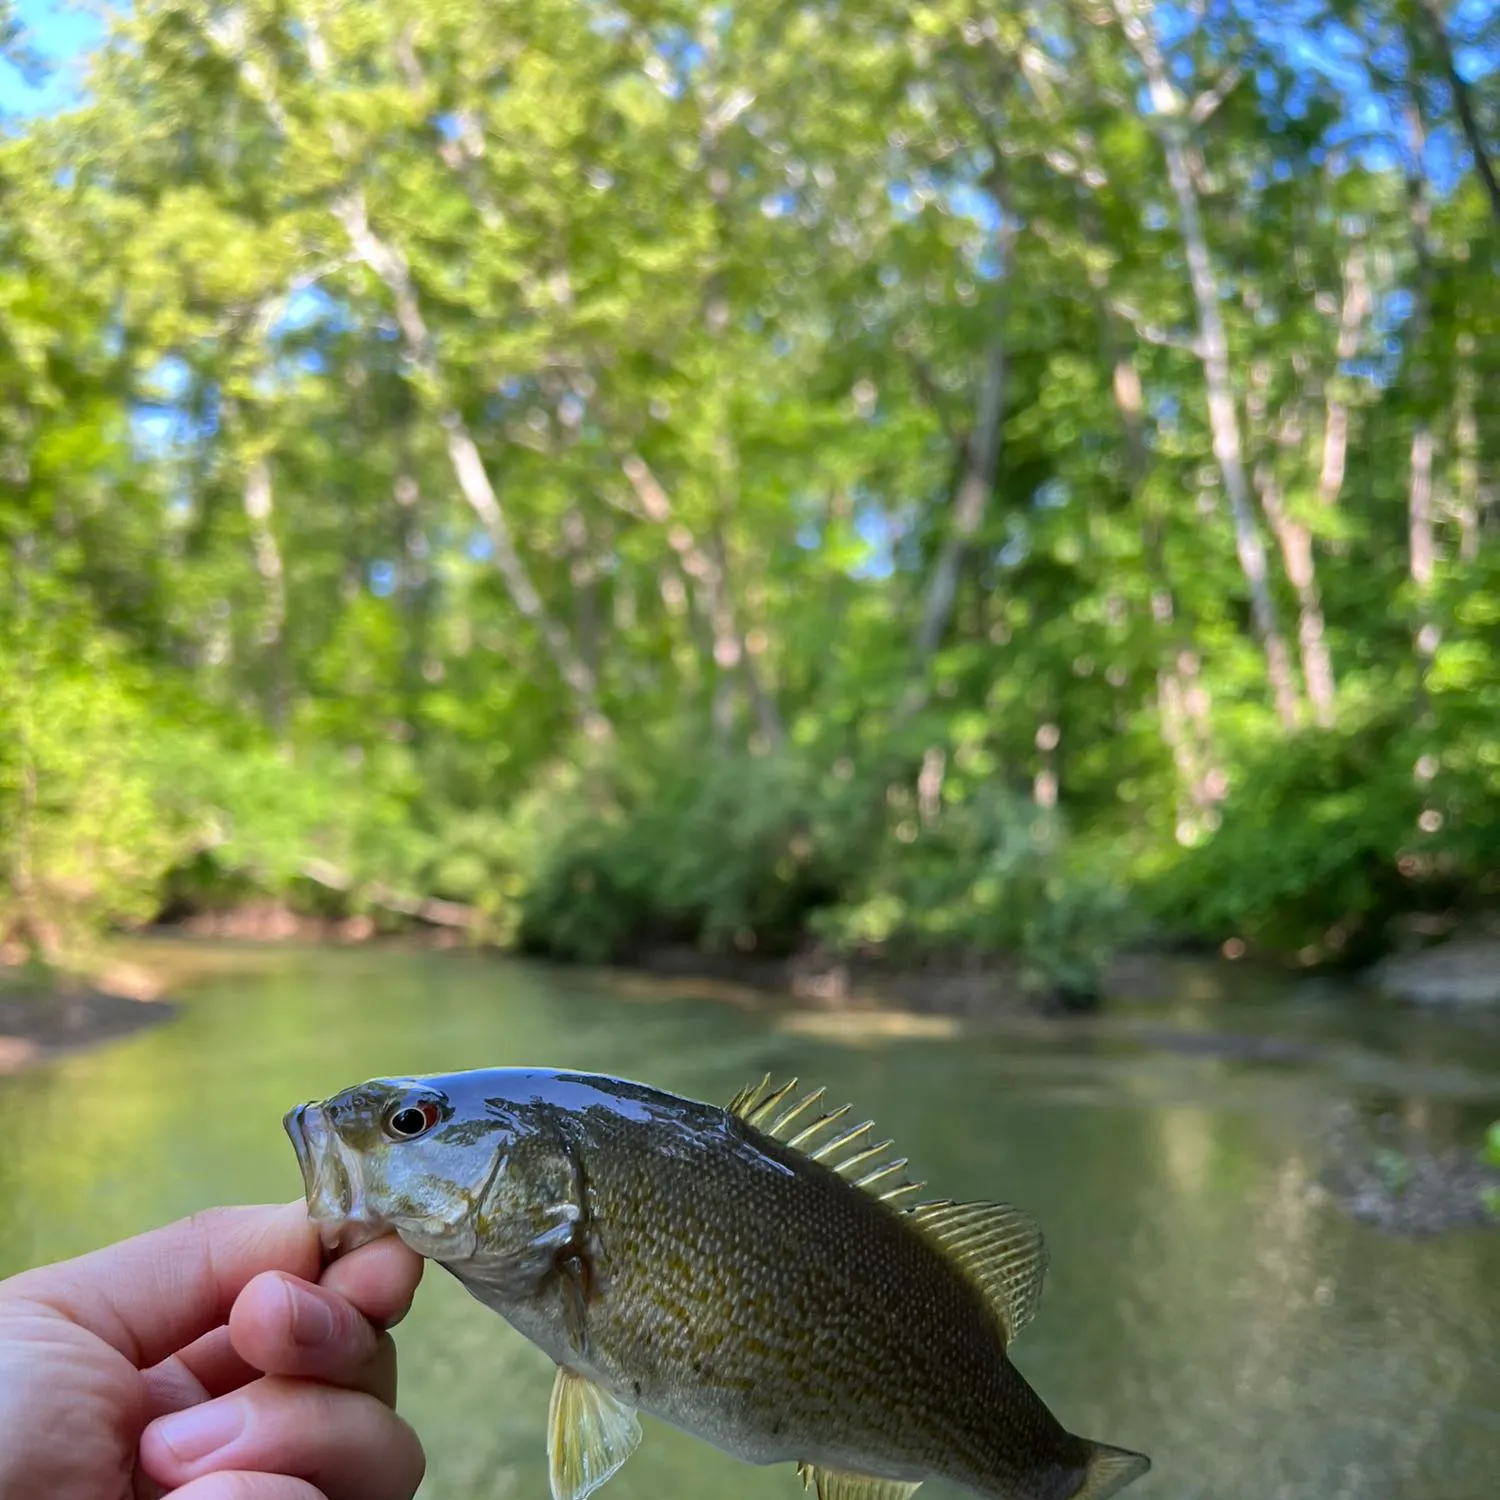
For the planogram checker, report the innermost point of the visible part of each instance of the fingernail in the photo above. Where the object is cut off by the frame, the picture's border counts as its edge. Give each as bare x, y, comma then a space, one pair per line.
312, 1318
200, 1430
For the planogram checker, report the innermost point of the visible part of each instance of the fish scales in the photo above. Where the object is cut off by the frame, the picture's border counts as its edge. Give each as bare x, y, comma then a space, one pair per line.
752, 1277
799, 1308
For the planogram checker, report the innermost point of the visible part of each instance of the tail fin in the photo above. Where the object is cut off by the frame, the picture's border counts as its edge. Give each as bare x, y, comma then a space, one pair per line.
1108, 1470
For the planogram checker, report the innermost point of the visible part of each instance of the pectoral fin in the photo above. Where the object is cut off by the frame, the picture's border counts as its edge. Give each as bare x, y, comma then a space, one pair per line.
589, 1435
838, 1484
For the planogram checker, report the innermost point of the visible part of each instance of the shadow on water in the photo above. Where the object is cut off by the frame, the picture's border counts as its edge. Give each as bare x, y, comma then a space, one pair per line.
1205, 1302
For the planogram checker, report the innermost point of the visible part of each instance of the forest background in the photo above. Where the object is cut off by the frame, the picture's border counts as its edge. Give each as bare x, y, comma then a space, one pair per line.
938, 482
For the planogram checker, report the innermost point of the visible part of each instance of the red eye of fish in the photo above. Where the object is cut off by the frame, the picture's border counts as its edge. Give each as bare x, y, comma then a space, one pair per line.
412, 1120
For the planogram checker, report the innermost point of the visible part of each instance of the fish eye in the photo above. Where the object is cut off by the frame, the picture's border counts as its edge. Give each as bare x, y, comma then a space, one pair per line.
412, 1120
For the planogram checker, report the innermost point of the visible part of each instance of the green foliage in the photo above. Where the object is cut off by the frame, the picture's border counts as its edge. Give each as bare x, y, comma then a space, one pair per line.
764, 854
731, 850
990, 874
82, 843
850, 477
1307, 850
1331, 836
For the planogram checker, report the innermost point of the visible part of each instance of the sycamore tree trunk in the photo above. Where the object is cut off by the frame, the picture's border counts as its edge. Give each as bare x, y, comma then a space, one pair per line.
1184, 714
1184, 708
386, 260
707, 566
1421, 522
258, 512
390, 266
1353, 311
1466, 453
1213, 352
1295, 541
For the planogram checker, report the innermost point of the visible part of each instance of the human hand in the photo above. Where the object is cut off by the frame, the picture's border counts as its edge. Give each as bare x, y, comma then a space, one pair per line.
201, 1360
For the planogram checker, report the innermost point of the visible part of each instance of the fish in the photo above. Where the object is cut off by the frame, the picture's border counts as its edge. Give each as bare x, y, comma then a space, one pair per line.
764, 1276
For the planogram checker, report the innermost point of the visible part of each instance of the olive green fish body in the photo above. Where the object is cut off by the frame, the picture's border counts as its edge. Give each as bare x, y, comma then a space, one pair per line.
681, 1259
753, 1298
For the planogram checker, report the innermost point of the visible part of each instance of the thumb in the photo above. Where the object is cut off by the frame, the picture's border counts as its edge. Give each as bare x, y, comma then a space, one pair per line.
151, 1295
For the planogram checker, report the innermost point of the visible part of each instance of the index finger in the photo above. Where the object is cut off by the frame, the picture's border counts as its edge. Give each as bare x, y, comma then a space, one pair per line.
151, 1295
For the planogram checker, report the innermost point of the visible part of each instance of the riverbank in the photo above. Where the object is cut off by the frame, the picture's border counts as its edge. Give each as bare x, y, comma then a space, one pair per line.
37, 1023
965, 989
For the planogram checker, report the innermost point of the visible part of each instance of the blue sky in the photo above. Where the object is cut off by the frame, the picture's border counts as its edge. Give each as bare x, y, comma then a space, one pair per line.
63, 31
62, 34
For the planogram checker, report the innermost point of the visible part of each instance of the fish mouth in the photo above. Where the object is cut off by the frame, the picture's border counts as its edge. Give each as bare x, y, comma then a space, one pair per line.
331, 1181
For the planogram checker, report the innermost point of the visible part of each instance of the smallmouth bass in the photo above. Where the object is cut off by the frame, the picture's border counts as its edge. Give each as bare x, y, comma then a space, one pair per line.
761, 1276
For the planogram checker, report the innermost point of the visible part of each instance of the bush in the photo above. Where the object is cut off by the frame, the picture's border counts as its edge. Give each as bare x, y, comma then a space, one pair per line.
82, 845
1327, 838
772, 853
990, 875
730, 850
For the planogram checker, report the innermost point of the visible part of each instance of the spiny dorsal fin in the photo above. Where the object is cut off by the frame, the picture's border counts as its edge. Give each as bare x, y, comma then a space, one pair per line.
839, 1484
851, 1152
998, 1247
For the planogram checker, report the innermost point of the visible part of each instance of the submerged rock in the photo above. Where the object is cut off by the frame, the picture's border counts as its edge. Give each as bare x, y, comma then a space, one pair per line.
1465, 972
1400, 1183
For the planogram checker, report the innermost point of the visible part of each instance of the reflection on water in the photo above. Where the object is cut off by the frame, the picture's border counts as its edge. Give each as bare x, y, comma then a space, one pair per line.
1203, 1304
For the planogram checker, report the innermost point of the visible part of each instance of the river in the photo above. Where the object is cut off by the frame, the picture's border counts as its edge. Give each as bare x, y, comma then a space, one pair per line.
1205, 1303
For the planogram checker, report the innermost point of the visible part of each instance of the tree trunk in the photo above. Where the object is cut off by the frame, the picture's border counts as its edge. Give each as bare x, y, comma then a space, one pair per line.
1421, 541
389, 265
1466, 446
708, 568
974, 489
258, 507
583, 573
1354, 310
1184, 710
1213, 349
1297, 557
976, 482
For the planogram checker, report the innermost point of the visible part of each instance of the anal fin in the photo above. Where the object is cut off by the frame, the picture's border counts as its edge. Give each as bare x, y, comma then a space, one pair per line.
1109, 1470
589, 1435
839, 1484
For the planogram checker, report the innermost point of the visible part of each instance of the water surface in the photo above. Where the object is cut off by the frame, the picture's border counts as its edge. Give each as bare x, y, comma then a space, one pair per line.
1205, 1303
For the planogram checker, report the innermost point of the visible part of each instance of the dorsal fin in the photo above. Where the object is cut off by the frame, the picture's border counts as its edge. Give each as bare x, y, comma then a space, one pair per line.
998, 1247
851, 1152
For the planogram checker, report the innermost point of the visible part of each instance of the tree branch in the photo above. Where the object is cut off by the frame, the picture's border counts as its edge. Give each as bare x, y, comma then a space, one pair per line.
1463, 103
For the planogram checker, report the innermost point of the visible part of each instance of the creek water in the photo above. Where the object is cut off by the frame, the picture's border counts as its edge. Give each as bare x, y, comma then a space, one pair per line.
1206, 1303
